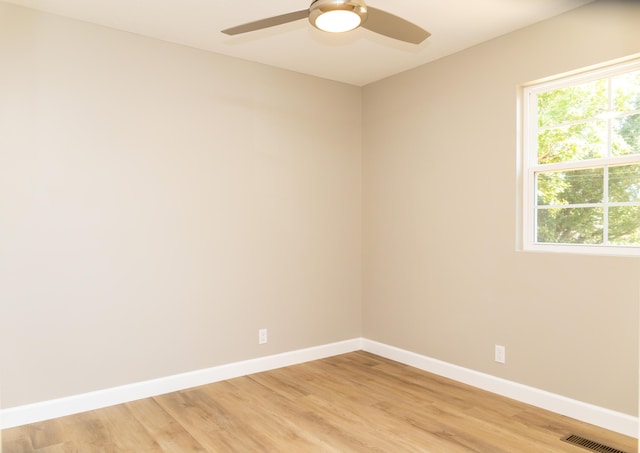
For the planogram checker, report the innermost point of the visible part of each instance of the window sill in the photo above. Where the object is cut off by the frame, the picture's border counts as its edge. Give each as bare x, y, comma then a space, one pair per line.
580, 249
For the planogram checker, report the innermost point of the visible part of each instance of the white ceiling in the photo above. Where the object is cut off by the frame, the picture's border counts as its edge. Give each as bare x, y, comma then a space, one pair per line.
358, 57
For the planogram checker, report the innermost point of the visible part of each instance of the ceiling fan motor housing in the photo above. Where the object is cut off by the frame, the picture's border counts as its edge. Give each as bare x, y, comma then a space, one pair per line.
319, 7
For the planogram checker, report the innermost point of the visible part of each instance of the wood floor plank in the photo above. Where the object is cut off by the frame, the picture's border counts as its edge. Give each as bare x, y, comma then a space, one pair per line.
170, 435
46, 434
208, 423
16, 441
87, 430
258, 406
304, 416
356, 402
120, 431
66, 447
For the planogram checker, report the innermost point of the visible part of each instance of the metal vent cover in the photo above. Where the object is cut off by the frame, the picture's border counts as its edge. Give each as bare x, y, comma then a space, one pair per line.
590, 444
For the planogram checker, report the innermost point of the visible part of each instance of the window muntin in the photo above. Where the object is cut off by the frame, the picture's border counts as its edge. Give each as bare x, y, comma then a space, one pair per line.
582, 163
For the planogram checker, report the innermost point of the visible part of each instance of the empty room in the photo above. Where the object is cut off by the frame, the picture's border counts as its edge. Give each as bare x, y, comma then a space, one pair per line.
226, 229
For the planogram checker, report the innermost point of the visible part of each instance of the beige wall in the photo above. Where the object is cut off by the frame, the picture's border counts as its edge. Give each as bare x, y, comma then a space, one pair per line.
159, 204
442, 276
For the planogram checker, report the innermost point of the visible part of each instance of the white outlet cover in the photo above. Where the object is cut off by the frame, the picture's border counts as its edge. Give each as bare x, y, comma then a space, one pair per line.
262, 336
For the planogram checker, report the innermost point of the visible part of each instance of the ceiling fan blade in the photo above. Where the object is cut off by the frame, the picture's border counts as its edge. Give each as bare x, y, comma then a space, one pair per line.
395, 27
266, 23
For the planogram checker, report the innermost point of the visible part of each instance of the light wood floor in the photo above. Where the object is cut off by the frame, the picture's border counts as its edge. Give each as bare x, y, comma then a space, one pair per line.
355, 402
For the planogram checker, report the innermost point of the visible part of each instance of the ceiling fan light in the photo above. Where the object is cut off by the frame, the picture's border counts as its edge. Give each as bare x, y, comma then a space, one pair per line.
337, 16
338, 21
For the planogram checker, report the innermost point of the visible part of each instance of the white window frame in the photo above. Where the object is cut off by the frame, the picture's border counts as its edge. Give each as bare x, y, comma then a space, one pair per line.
528, 165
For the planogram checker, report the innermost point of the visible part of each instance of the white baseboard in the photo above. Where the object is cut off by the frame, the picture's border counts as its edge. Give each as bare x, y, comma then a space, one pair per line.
589, 413
32, 413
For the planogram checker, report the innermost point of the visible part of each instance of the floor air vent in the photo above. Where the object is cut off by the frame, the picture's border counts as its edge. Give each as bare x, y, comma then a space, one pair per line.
590, 444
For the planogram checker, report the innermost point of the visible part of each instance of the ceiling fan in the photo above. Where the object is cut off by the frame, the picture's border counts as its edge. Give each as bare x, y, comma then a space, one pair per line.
338, 16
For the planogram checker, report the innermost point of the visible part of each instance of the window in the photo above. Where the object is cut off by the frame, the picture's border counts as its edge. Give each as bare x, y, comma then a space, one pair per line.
581, 162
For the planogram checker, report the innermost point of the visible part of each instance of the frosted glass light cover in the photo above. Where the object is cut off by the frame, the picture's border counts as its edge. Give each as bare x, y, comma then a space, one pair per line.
338, 21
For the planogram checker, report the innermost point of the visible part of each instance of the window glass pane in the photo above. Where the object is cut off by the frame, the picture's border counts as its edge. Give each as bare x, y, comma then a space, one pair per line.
570, 187
584, 159
624, 225
626, 92
571, 143
624, 183
572, 103
570, 225
626, 135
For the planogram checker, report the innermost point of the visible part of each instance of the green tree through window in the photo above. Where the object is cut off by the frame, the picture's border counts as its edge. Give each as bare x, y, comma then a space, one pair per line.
583, 159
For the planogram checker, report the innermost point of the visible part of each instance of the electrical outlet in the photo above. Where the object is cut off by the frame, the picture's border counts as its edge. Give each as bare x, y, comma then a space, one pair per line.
500, 354
262, 336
